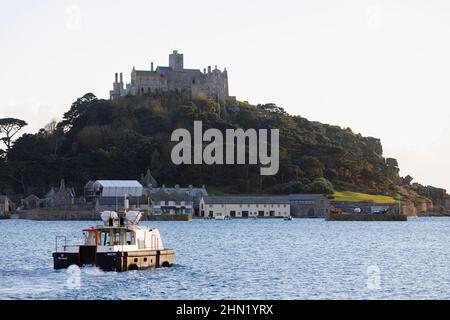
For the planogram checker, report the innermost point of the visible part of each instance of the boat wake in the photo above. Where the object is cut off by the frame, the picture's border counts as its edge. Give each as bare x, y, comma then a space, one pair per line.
94, 271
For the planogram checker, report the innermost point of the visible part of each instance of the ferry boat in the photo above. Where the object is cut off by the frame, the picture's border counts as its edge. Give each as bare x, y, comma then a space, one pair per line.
119, 245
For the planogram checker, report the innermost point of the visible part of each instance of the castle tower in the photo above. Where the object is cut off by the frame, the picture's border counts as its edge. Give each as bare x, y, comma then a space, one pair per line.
176, 61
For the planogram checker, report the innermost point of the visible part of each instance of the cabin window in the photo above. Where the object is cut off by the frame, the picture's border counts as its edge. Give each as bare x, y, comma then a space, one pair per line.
105, 238
130, 238
90, 239
116, 237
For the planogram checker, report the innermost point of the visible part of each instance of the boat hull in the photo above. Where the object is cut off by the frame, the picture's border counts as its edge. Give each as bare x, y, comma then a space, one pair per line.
117, 261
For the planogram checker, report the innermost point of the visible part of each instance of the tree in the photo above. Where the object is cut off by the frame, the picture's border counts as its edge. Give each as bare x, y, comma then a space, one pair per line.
78, 108
10, 127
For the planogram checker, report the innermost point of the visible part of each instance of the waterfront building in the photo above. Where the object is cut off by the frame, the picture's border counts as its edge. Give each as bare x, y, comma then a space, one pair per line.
57, 197
154, 192
61, 197
309, 205
245, 207
110, 194
31, 202
195, 194
171, 203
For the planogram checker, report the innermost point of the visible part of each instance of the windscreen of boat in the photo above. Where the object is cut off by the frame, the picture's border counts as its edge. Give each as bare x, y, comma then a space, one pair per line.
105, 238
117, 237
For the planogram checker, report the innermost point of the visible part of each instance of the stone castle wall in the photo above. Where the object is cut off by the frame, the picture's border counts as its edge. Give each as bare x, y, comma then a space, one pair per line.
212, 83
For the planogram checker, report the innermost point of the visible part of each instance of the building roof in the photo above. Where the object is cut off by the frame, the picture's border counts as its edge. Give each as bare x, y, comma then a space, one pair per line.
168, 70
247, 200
163, 69
148, 179
31, 197
70, 192
196, 192
89, 185
163, 196
146, 73
119, 188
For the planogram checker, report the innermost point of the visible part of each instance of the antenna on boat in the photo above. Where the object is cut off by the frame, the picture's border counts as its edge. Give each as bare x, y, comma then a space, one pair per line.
126, 203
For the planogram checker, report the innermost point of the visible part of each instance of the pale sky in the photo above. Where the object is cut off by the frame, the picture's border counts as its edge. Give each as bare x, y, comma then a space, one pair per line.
379, 67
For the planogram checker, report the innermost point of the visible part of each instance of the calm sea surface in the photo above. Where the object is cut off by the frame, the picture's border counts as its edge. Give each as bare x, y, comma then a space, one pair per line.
264, 259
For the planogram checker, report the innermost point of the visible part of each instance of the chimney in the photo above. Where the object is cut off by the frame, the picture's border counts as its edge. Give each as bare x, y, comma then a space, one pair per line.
152, 67
204, 71
121, 77
209, 69
117, 77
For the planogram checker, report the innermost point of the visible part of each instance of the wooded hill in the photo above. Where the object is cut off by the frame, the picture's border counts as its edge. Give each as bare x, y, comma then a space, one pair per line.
102, 139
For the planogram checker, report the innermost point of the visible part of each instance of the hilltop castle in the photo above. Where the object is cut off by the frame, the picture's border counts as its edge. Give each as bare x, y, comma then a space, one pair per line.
212, 83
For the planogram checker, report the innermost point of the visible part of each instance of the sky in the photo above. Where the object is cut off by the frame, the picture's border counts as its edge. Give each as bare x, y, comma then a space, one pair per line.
381, 67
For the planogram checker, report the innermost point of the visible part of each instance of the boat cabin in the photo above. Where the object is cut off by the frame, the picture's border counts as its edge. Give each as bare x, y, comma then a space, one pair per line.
118, 245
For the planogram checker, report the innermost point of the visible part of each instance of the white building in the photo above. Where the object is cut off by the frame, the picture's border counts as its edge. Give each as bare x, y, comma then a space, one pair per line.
245, 207
165, 203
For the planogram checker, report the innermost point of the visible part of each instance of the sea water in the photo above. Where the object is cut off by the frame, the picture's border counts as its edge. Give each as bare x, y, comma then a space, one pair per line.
243, 259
